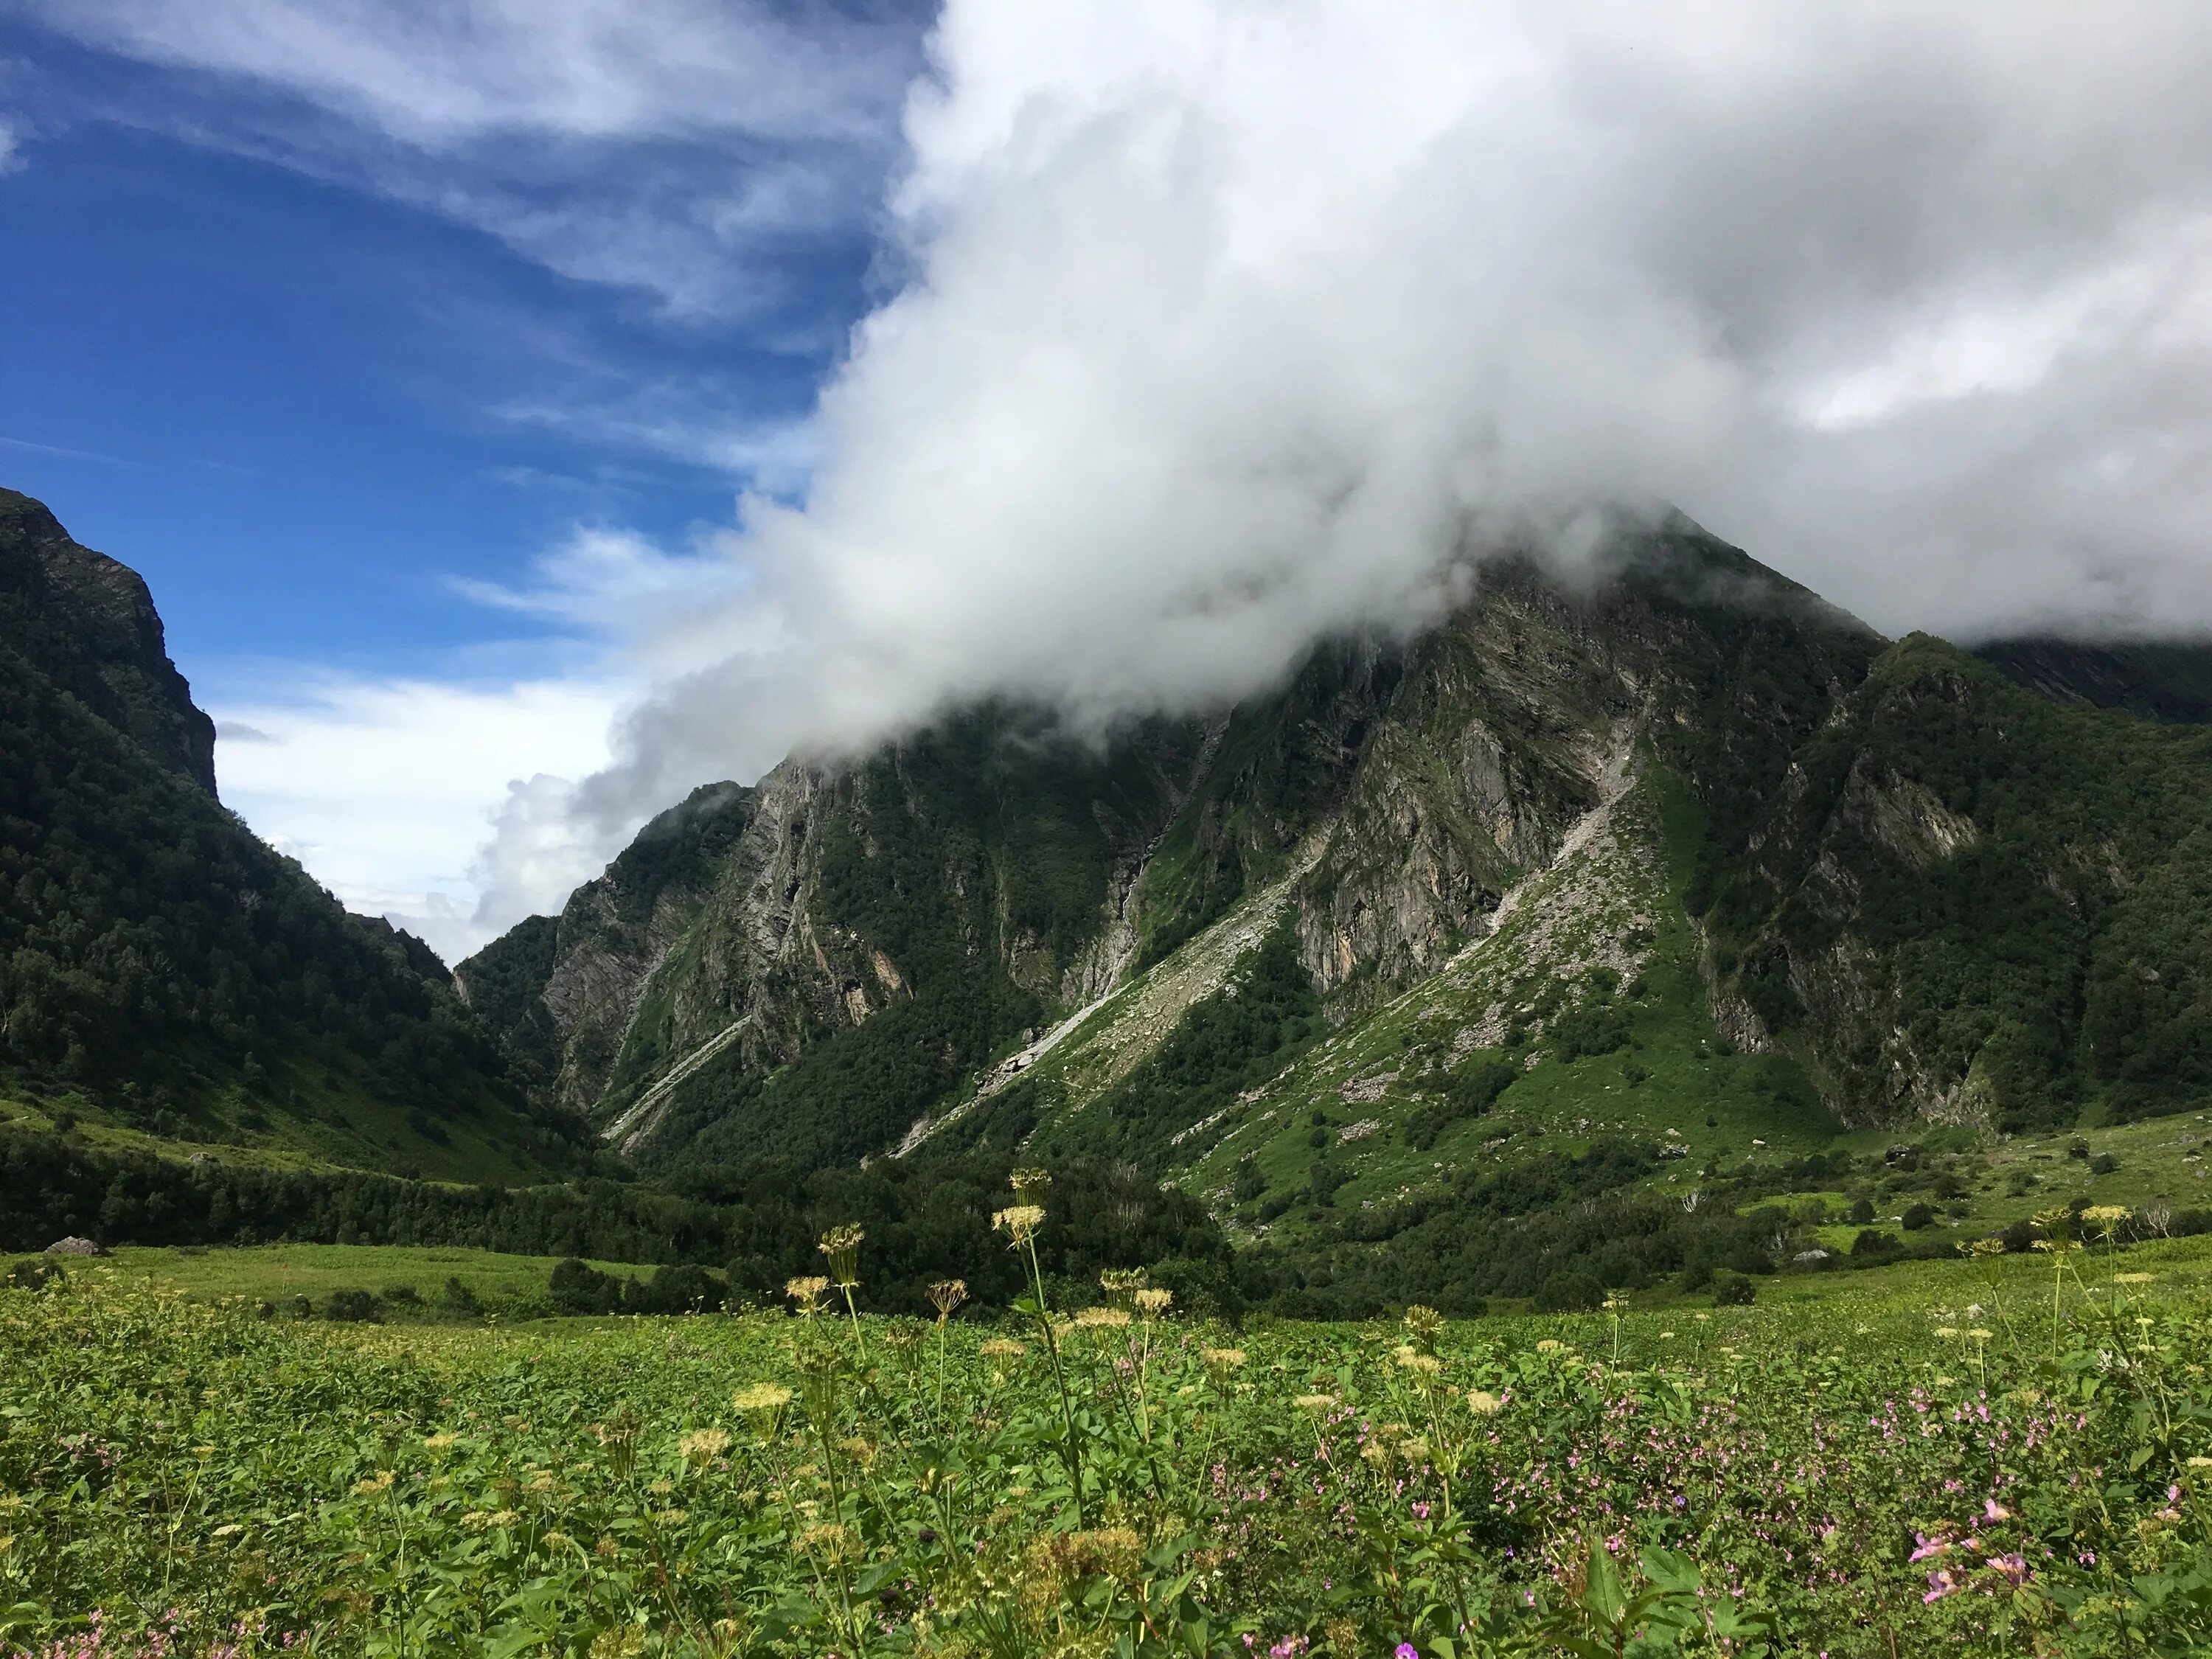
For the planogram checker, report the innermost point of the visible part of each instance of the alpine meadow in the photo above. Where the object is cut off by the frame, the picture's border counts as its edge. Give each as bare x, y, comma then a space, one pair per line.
989, 849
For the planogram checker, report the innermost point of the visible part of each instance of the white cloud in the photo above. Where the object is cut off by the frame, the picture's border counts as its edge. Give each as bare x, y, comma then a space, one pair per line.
1228, 322
388, 791
691, 150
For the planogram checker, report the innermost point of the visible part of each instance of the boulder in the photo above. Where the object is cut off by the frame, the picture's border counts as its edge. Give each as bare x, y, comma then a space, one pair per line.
75, 1246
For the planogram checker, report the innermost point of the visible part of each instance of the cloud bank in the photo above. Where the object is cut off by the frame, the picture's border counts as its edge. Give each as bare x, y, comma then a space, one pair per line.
1227, 322
1215, 324
378, 786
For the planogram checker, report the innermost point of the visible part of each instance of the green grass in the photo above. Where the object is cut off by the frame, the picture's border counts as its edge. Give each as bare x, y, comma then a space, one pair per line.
334, 1129
1927, 1458
509, 1286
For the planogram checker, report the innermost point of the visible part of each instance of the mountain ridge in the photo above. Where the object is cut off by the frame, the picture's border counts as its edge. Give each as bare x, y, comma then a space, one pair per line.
1821, 801
166, 977
1401, 787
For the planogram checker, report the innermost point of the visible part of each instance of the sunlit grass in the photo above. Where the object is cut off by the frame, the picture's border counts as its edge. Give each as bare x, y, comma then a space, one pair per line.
1904, 1467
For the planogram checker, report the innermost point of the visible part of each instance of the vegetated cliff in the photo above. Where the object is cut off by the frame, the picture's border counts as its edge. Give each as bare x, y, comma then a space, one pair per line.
163, 968
1972, 902
1671, 830
2169, 680
879, 935
89, 625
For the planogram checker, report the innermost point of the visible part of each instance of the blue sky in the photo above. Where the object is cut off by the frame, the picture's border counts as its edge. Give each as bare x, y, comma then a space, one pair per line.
527, 410
323, 349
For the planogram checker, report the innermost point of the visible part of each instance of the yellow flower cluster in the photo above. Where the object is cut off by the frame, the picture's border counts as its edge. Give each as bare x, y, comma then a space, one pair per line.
843, 1246
703, 1445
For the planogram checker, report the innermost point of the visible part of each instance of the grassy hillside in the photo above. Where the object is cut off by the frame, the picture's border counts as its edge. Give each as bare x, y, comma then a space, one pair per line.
1891, 1466
167, 975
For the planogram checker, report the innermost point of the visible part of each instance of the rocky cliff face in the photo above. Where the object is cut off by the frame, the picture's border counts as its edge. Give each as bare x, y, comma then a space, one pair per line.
890, 928
163, 971
89, 626
1933, 910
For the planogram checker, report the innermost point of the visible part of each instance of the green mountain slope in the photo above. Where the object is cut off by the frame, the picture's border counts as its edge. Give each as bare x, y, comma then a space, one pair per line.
163, 972
1632, 881
882, 943
1974, 903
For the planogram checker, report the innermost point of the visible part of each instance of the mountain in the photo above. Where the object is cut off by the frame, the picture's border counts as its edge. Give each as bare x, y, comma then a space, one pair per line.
164, 974
2167, 679
1671, 854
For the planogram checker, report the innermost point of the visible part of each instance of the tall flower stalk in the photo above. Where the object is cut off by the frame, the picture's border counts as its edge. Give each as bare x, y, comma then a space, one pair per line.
946, 1295
1020, 1223
843, 1246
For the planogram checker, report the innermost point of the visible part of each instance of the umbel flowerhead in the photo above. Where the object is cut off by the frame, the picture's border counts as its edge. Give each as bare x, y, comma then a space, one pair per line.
1019, 1224
1030, 1181
947, 1294
1152, 1303
806, 1294
2105, 1219
1121, 1284
843, 1246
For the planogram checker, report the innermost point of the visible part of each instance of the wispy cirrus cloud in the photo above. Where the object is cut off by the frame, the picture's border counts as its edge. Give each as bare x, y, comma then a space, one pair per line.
702, 152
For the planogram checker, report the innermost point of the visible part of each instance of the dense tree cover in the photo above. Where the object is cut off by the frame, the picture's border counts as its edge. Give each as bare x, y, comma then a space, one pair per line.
2027, 883
504, 983
974, 848
149, 939
1225, 1043
925, 1220
155, 956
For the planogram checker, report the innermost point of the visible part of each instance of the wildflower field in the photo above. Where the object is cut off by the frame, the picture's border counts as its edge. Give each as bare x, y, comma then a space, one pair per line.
2011, 1455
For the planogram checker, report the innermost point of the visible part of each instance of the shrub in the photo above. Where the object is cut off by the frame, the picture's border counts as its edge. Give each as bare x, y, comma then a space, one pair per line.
401, 1295
1873, 1244
351, 1307
2103, 1163
576, 1287
1860, 1213
33, 1275
1732, 1290
1917, 1216
1573, 1291
460, 1299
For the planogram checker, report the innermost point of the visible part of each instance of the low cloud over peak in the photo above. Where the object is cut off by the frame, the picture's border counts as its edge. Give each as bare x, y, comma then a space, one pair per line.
1226, 324
1211, 324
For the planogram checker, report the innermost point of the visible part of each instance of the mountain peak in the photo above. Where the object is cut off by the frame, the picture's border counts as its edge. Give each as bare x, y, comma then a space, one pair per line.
88, 623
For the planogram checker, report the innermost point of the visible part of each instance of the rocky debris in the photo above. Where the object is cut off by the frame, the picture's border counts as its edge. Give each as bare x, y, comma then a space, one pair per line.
75, 1246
